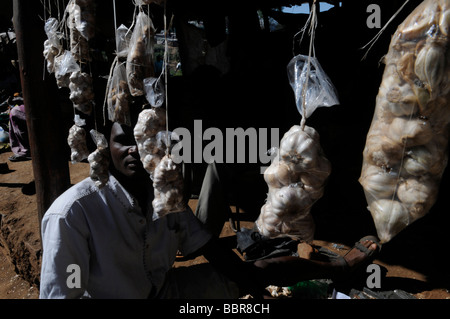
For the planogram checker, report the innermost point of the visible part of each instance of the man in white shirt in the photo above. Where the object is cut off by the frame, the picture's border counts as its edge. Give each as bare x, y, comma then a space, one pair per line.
103, 243
107, 237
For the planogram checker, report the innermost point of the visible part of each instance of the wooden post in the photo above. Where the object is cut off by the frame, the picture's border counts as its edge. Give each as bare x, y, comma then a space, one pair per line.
47, 140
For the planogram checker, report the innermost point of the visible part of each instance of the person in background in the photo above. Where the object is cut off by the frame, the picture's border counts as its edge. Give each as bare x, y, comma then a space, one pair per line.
18, 131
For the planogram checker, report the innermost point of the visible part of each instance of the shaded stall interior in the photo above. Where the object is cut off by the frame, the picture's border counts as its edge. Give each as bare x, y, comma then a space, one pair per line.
233, 58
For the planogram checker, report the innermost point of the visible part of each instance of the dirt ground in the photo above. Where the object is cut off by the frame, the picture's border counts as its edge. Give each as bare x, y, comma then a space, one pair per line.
20, 242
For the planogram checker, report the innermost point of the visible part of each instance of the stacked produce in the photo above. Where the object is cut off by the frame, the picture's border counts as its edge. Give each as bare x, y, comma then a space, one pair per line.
406, 147
296, 180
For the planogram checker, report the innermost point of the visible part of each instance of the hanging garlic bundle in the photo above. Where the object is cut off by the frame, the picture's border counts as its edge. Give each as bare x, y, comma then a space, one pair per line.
152, 142
297, 176
168, 188
296, 180
140, 55
406, 146
79, 40
99, 160
52, 46
84, 14
144, 2
81, 91
118, 95
77, 143
149, 123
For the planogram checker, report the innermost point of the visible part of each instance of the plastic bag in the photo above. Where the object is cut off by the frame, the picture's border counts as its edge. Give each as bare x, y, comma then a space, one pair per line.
52, 46
319, 90
119, 96
140, 64
123, 38
65, 65
406, 147
154, 91
144, 2
83, 17
79, 45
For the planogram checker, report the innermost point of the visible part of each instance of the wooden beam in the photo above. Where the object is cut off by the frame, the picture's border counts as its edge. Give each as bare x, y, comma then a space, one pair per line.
48, 143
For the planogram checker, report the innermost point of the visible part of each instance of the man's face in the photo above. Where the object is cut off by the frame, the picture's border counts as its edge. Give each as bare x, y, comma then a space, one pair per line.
124, 152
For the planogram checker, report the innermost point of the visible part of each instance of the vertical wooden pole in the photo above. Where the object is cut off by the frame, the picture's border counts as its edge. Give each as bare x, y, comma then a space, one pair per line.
47, 140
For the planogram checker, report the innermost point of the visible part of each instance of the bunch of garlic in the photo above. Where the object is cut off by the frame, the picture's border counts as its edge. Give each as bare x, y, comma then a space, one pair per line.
144, 2
84, 14
406, 146
152, 142
168, 188
81, 91
52, 45
77, 144
99, 160
296, 180
79, 45
118, 96
149, 123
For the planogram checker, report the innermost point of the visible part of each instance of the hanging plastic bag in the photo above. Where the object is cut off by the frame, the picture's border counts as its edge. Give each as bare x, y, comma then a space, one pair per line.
52, 46
119, 96
123, 38
312, 86
154, 91
65, 65
406, 149
140, 64
144, 2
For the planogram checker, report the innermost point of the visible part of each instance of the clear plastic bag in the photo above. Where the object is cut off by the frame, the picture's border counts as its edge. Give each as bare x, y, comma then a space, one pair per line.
140, 60
144, 2
123, 38
118, 95
154, 91
65, 65
406, 149
312, 87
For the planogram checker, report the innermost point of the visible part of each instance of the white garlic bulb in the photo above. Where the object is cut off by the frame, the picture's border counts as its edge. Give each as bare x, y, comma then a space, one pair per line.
81, 91
390, 217
149, 123
168, 185
77, 144
99, 160
296, 179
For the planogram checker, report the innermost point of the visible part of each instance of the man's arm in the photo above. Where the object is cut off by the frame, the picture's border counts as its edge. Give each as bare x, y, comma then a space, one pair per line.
226, 261
65, 259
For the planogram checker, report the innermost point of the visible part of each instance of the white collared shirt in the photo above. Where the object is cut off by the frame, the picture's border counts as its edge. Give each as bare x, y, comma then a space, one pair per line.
117, 251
